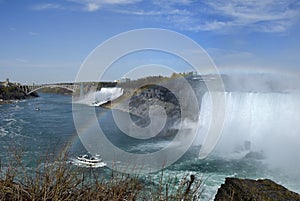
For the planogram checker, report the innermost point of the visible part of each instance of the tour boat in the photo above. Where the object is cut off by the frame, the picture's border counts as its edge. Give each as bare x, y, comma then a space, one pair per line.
89, 160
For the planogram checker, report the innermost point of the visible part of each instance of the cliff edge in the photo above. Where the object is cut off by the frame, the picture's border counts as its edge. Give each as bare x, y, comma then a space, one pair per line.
235, 189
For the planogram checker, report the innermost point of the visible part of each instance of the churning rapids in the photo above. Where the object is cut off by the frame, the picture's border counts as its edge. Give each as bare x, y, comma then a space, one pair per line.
260, 137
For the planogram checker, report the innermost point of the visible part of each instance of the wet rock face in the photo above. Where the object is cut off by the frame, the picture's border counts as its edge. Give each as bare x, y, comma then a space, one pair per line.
153, 95
236, 189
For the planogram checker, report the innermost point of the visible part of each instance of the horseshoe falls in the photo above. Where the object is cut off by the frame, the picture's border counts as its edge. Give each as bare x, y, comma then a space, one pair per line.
260, 134
259, 122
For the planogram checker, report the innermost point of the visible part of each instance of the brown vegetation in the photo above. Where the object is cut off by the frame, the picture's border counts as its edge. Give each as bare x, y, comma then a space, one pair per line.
60, 180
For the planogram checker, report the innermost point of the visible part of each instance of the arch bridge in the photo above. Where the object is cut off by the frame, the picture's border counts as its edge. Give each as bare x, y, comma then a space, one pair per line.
28, 89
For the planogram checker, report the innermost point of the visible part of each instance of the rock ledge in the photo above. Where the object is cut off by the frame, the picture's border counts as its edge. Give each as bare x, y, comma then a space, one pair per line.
236, 189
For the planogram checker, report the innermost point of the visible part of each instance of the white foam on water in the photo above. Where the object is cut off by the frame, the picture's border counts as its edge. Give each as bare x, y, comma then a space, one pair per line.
100, 97
3, 132
149, 147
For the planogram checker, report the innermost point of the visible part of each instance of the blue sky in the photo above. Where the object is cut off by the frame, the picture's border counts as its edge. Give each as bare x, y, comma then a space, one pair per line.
47, 41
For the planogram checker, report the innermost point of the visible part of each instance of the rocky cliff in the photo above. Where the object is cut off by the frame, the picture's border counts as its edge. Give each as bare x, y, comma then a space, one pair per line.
175, 97
139, 102
236, 189
13, 92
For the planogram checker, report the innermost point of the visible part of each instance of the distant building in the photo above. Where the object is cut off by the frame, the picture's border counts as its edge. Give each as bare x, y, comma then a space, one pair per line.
6, 83
124, 79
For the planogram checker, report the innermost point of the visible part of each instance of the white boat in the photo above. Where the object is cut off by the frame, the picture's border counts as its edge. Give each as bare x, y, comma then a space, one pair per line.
89, 161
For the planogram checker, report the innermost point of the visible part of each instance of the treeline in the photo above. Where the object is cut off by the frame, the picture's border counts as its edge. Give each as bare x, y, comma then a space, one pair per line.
143, 81
153, 80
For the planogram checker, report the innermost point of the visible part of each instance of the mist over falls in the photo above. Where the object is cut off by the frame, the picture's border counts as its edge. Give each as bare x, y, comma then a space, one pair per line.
262, 116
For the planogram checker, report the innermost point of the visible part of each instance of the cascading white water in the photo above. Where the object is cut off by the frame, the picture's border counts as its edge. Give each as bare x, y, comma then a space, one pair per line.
270, 121
100, 97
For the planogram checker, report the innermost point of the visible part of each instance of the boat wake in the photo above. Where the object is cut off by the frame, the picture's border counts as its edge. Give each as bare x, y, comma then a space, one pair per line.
88, 160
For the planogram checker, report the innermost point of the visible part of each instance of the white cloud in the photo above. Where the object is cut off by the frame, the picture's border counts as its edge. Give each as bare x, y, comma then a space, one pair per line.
263, 16
254, 10
218, 15
142, 12
208, 26
139, 12
225, 16
94, 5
47, 6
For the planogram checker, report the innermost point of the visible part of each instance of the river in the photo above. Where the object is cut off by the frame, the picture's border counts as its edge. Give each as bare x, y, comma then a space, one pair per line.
51, 128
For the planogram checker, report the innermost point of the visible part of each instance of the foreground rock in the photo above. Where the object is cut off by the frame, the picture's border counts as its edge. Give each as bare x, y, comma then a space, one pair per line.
236, 189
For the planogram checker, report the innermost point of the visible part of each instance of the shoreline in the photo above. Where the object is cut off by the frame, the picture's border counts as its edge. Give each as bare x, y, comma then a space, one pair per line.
4, 102
11, 93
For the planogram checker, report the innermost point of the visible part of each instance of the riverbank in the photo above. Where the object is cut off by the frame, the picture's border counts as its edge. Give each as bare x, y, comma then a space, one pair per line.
12, 93
2, 102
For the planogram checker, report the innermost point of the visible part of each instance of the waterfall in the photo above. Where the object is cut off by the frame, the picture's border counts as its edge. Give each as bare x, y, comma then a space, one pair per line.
269, 121
100, 97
